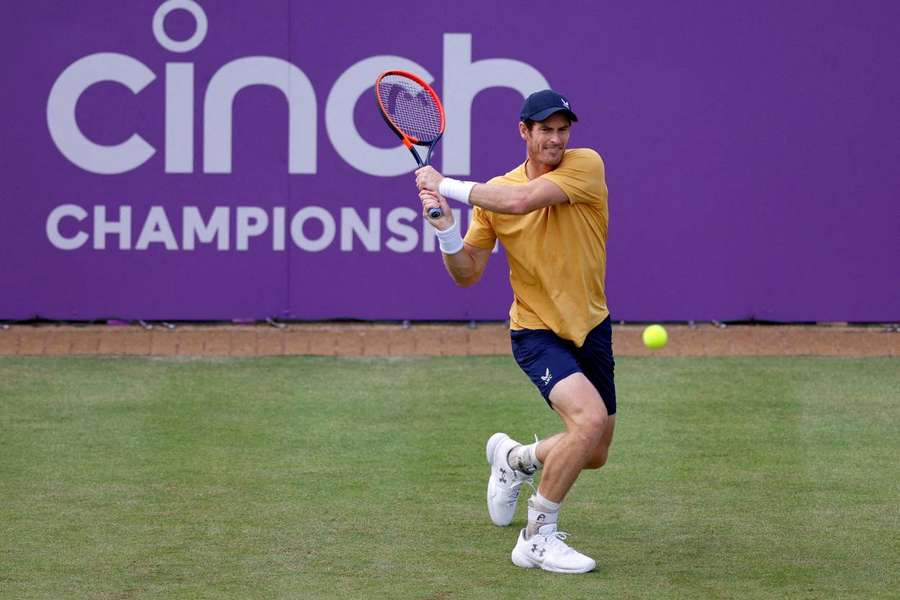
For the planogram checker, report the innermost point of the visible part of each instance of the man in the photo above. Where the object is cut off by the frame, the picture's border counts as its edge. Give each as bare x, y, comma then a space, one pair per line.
550, 213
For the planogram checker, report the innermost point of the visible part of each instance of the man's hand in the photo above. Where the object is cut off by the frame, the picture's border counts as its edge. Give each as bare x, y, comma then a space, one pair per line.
427, 178
434, 200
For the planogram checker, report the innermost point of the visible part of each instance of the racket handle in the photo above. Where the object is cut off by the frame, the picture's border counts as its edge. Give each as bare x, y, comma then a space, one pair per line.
435, 213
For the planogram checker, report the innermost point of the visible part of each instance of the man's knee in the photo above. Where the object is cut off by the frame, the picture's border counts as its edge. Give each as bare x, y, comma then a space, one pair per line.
598, 457
601, 431
581, 408
591, 423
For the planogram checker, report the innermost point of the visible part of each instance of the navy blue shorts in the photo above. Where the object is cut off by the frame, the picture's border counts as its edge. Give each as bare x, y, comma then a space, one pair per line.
547, 358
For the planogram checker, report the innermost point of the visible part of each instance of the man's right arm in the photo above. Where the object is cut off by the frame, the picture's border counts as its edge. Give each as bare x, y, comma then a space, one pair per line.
467, 265
464, 262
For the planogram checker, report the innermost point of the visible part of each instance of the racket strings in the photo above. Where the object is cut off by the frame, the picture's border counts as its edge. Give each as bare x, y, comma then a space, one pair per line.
411, 107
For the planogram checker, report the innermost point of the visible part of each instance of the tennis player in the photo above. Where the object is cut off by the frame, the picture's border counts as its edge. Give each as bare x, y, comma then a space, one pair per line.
551, 215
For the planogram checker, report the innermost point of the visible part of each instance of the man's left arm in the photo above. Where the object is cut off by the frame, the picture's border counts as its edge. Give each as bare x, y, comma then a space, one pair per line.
516, 199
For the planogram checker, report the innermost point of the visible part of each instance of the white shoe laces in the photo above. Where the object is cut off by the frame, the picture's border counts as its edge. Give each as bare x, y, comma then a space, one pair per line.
557, 539
514, 487
529, 479
518, 479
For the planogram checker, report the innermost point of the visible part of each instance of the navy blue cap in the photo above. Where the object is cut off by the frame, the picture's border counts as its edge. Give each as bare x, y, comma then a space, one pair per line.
540, 105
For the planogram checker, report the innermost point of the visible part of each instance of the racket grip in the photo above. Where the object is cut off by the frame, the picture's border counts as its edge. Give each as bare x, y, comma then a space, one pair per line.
435, 213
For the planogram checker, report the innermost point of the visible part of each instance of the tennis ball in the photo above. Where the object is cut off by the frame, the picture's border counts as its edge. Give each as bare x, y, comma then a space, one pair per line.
655, 336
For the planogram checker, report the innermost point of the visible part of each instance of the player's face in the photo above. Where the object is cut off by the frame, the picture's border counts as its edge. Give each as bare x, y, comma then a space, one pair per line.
547, 139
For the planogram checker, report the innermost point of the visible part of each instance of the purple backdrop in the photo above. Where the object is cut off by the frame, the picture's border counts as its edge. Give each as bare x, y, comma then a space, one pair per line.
751, 154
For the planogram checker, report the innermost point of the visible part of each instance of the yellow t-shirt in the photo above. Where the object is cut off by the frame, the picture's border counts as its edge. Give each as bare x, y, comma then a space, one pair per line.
557, 254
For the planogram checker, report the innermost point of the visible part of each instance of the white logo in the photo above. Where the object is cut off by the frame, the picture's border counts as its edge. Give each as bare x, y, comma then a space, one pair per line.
546, 377
463, 80
565, 103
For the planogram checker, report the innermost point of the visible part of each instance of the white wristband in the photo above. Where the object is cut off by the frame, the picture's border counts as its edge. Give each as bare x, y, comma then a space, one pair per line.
449, 239
456, 189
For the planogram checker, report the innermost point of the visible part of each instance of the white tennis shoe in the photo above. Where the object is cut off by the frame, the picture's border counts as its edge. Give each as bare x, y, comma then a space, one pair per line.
504, 483
548, 550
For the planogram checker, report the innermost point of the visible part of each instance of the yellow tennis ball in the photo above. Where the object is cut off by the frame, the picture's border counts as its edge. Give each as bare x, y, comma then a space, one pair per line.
655, 336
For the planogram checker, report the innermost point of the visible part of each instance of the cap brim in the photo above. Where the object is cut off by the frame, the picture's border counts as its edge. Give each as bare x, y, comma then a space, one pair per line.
545, 114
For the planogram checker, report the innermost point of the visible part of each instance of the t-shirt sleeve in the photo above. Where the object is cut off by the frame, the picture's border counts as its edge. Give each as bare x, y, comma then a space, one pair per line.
581, 175
480, 233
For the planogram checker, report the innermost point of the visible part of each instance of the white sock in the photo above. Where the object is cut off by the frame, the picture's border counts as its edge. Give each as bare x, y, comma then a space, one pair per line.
524, 458
540, 512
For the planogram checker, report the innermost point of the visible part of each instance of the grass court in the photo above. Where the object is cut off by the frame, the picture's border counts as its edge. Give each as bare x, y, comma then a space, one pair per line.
311, 477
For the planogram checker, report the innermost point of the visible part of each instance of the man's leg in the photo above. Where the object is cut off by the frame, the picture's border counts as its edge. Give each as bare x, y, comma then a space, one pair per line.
584, 396
596, 460
584, 444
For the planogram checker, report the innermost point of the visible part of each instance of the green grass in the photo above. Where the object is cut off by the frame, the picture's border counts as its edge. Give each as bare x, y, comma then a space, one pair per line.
352, 478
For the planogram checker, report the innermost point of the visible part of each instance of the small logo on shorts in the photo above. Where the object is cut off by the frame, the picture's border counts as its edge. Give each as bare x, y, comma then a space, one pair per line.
546, 377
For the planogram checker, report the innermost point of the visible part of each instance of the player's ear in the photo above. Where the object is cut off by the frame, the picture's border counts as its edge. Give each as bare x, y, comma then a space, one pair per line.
523, 129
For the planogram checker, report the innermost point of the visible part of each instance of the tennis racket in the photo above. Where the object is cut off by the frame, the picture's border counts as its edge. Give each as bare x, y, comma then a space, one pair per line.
412, 109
